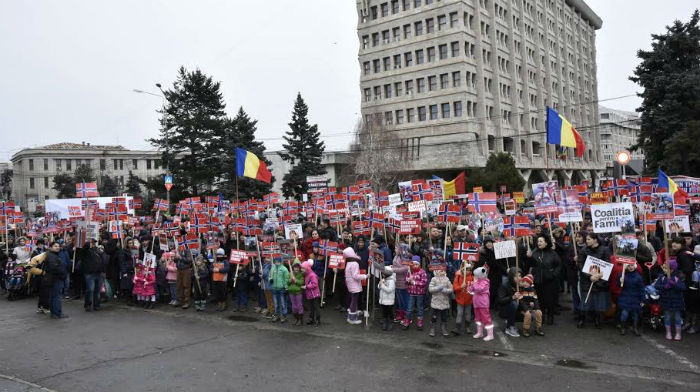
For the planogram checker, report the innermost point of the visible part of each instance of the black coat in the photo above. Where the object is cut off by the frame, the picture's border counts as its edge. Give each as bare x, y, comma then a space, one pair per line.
546, 266
600, 252
54, 268
91, 261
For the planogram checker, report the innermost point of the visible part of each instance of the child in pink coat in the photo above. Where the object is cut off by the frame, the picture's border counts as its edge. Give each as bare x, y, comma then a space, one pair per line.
149, 288
171, 276
312, 293
480, 292
139, 279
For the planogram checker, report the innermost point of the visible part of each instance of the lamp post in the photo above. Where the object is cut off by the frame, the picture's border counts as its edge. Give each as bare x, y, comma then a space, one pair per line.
623, 158
167, 150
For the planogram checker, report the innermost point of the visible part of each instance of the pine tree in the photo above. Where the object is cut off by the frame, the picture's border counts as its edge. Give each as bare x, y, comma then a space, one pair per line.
83, 173
240, 132
133, 185
499, 170
108, 186
670, 110
64, 183
303, 149
192, 123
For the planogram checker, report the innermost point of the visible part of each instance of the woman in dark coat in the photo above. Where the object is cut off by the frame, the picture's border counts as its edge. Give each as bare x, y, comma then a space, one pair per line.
546, 268
599, 297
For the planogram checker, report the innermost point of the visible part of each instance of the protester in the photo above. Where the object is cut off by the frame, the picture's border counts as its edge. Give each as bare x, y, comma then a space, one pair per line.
200, 275
440, 289
353, 281
387, 289
671, 287
546, 268
279, 276
171, 276
480, 291
55, 273
184, 278
220, 269
631, 298
594, 291
416, 283
312, 294
508, 301
529, 305
296, 281
462, 281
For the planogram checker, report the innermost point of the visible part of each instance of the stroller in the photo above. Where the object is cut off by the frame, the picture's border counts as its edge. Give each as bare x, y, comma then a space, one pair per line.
651, 312
15, 280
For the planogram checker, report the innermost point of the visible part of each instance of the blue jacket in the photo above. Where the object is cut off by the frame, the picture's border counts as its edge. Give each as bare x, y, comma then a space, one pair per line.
670, 292
388, 258
266, 276
632, 293
64, 255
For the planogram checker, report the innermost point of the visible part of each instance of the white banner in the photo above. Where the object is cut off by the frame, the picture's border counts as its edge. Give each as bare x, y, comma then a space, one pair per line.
679, 224
571, 216
613, 218
61, 206
504, 249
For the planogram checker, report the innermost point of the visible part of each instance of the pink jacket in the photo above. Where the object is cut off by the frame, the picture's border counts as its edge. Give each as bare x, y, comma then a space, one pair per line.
420, 282
149, 285
311, 283
171, 276
480, 292
353, 277
139, 280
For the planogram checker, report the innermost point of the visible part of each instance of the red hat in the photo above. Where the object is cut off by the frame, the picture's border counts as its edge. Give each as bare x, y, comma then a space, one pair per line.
528, 278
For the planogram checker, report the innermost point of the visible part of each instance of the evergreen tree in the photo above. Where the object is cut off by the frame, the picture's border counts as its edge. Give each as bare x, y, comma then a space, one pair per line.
499, 170
64, 184
240, 132
83, 173
133, 185
670, 110
192, 124
108, 186
303, 149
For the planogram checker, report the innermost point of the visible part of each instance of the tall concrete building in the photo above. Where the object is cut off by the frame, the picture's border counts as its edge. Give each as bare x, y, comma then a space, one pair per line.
459, 79
35, 168
619, 131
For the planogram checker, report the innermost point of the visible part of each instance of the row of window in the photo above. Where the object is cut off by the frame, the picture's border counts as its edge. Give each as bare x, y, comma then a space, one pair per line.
48, 182
425, 113
430, 83
118, 164
395, 6
417, 29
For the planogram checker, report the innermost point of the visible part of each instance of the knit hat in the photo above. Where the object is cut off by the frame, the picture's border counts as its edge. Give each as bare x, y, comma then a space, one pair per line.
415, 259
529, 279
480, 273
296, 263
488, 238
315, 244
349, 254
387, 272
378, 239
305, 265
220, 252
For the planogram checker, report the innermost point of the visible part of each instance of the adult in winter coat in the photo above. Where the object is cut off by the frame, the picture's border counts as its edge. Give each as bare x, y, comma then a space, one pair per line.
55, 272
508, 301
92, 267
353, 281
599, 297
20, 253
184, 277
546, 269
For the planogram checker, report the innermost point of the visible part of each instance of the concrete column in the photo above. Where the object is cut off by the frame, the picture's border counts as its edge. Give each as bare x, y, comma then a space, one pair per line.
568, 174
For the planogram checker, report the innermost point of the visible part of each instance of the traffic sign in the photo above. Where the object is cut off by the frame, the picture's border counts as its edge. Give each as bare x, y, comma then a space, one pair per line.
168, 182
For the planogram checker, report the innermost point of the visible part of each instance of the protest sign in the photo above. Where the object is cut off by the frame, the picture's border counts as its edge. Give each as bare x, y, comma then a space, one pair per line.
599, 198
510, 207
662, 206
92, 231
163, 242
336, 260
570, 216
613, 218
519, 197
293, 231
149, 260
437, 186
395, 199
504, 249
543, 194
679, 224
569, 206
417, 206
410, 226
625, 249
597, 265
239, 257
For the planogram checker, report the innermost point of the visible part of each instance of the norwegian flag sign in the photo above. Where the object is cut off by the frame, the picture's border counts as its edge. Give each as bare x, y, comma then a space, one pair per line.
482, 202
465, 251
86, 189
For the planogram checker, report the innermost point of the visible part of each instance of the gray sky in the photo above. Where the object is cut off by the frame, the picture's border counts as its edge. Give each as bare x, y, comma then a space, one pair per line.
69, 67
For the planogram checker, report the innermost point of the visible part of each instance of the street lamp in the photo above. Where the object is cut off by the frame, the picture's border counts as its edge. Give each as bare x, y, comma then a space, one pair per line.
623, 158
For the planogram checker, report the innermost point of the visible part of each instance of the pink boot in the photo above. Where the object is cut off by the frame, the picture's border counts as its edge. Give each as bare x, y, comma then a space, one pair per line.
479, 330
399, 316
419, 324
405, 323
678, 332
489, 333
668, 333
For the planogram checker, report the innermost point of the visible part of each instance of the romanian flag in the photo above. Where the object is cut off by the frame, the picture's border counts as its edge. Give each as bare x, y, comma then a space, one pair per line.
249, 165
667, 183
561, 132
455, 187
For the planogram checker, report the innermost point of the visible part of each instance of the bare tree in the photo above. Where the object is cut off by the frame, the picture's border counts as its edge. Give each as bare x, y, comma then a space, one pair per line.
377, 154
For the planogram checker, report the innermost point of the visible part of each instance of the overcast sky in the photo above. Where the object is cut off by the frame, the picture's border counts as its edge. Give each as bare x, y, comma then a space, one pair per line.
69, 67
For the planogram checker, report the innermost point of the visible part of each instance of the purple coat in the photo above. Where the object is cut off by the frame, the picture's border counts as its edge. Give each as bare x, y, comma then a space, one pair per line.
311, 283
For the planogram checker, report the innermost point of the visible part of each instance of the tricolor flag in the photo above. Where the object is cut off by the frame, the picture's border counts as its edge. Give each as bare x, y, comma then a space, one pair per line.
249, 165
666, 182
561, 132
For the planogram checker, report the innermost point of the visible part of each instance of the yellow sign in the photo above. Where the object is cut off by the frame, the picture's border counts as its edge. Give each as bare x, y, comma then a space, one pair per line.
519, 197
478, 189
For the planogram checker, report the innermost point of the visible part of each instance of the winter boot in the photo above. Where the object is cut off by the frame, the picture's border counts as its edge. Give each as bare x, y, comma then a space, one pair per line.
635, 328
489, 333
400, 315
468, 327
431, 333
389, 326
457, 330
678, 332
419, 324
443, 328
351, 317
405, 323
204, 305
479, 330
358, 317
527, 320
385, 324
668, 333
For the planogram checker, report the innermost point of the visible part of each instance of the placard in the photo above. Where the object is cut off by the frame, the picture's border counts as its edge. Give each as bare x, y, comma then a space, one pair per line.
409, 226
504, 249
395, 199
163, 242
662, 206
417, 206
519, 197
594, 264
149, 260
570, 216
626, 249
92, 231
679, 224
239, 257
543, 194
336, 260
511, 207
293, 231
613, 218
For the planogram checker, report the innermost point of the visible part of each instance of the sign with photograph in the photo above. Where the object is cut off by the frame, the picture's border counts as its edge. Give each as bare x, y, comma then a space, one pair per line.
613, 218
595, 265
662, 206
543, 193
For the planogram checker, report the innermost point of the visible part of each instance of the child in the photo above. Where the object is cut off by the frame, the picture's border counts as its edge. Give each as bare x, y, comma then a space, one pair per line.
631, 297
529, 306
148, 292
313, 293
387, 286
296, 280
138, 282
480, 291
266, 287
279, 276
220, 270
400, 271
416, 282
241, 288
463, 280
171, 277
440, 288
670, 288
200, 273
353, 281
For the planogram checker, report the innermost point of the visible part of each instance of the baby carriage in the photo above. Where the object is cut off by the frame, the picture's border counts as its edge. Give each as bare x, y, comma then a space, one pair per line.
651, 312
15, 280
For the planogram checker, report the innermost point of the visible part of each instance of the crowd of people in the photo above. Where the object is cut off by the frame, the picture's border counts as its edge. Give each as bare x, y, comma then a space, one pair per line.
393, 274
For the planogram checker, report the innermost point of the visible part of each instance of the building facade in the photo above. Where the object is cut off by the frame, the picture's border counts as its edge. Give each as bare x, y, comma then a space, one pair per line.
460, 79
35, 168
338, 167
619, 131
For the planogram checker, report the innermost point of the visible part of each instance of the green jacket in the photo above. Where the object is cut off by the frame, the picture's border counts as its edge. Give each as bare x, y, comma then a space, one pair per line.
295, 288
279, 276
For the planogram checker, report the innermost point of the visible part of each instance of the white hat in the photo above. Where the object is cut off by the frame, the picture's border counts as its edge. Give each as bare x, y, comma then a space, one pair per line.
461, 227
220, 252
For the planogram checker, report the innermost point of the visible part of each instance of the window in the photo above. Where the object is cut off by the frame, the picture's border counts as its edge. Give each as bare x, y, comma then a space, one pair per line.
31, 164
431, 54
365, 41
444, 81
442, 22
373, 12
456, 79
410, 114
397, 61
397, 89
432, 83
68, 164
420, 82
375, 39
430, 25
58, 164
385, 10
46, 165
366, 67
103, 164
409, 87
454, 46
156, 164
46, 182
416, 3
368, 94
457, 108
116, 164
396, 34
376, 64
406, 31
399, 116
491, 142
446, 110
421, 113
418, 28
408, 58
443, 51
433, 112
387, 91
148, 164
419, 56
385, 37
406, 4
121, 180
377, 92
453, 19
388, 118
387, 63
31, 182
395, 7
135, 163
